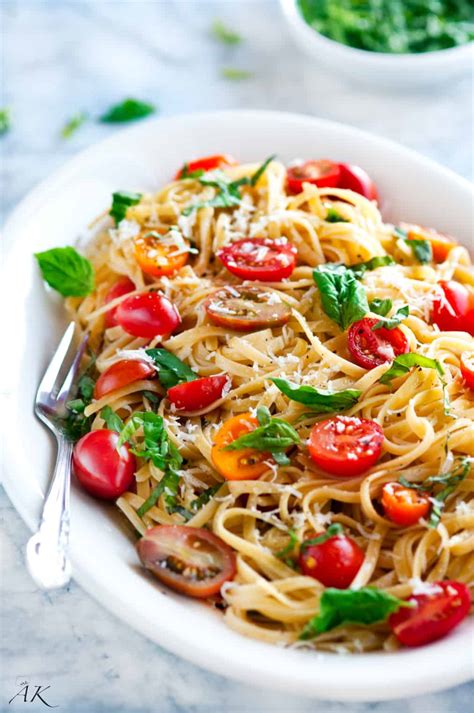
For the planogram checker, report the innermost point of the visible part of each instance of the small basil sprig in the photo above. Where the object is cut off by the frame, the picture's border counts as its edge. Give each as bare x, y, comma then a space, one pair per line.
360, 268
273, 435
171, 370
402, 364
76, 425
127, 110
351, 606
318, 400
121, 200
112, 420
420, 248
67, 272
333, 531
205, 497
381, 307
285, 553
392, 322
333, 216
343, 297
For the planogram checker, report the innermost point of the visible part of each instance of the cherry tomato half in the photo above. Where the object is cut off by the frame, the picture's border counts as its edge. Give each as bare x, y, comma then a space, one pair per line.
148, 315
371, 347
404, 506
322, 173
334, 562
122, 287
345, 445
356, 179
101, 469
434, 615
243, 464
259, 259
467, 368
207, 163
120, 374
157, 257
246, 308
453, 309
190, 560
197, 394
441, 243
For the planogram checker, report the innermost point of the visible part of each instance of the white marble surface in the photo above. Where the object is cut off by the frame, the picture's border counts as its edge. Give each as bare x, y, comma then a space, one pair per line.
62, 57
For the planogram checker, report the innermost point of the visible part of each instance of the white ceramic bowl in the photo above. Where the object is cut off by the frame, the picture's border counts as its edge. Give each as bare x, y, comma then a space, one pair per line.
102, 552
376, 68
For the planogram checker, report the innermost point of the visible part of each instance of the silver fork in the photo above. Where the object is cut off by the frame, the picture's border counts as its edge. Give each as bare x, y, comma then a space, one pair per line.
47, 550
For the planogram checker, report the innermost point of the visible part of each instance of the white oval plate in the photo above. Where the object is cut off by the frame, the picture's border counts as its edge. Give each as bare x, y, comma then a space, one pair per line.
102, 552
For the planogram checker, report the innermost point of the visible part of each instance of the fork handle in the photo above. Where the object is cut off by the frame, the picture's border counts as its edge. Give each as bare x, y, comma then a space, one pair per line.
47, 551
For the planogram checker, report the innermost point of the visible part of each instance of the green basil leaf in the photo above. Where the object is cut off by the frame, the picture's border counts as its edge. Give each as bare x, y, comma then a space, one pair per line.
76, 405
168, 485
205, 497
85, 387
392, 322
73, 124
333, 216
317, 399
402, 364
273, 436
5, 123
360, 268
343, 297
112, 420
121, 200
172, 370
420, 248
261, 170
152, 397
332, 531
66, 271
351, 606
128, 110
224, 34
450, 481
288, 550
381, 307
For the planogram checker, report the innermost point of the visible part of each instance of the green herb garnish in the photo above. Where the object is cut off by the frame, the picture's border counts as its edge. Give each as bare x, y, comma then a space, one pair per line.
112, 420
76, 425
420, 248
224, 34
66, 271
318, 400
360, 268
171, 370
343, 297
381, 307
205, 497
128, 110
392, 322
121, 201
73, 124
288, 550
273, 435
404, 362
333, 216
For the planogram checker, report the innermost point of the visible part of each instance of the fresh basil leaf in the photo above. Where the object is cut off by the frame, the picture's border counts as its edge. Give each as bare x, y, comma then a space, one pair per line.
152, 397
128, 110
168, 485
381, 307
343, 297
404, 362
73, 124
235, 74
205, 497
121, 200
273, 435
333, 216
351, 606
332, 531
450, 481
85, 387
392, 322
317, 399
287, 551
76, 405
224, 34
420, 248
76, 425
5, 123
360, 268
112, 420
66, 271
171, 370
261, 170
186, 173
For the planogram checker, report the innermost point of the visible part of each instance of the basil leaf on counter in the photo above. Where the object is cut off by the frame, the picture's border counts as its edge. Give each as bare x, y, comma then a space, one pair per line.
404, 362
66, 271
128, 110
343, 297
318, 400
171, 370
121, 200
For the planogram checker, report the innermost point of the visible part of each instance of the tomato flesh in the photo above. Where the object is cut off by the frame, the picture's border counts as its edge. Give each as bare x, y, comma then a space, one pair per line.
198, 394
345, 446
334, 562
156, 257
190, 560
354, 178
242, 464
120, 374
122, 287
404, 506
102, 470
322, 173
207, 163
371, 347
434, 614
259, 259
453, 308
467, 368
246, 308
148, 315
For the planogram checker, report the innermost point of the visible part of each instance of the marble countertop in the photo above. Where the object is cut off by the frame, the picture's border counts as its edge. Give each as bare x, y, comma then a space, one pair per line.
61, 57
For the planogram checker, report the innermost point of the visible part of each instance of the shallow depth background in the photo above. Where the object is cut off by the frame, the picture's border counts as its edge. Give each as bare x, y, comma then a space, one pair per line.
59, 58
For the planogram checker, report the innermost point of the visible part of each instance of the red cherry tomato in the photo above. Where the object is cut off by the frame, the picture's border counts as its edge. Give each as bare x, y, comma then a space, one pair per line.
246, 308
371, 347
434, 615
102, 470
467, 368
148, 315
121, 287
190, 560
345, 445
453, 309
207, 163
356, 179
404, 506
259, 259
120, 374
195, 395
322, 173
334, 562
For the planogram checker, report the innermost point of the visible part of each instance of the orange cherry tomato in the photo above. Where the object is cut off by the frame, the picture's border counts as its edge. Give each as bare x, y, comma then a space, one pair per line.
244, 464
121, 374
467, 368
206, 163
157, 257
441, 243
404, 506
